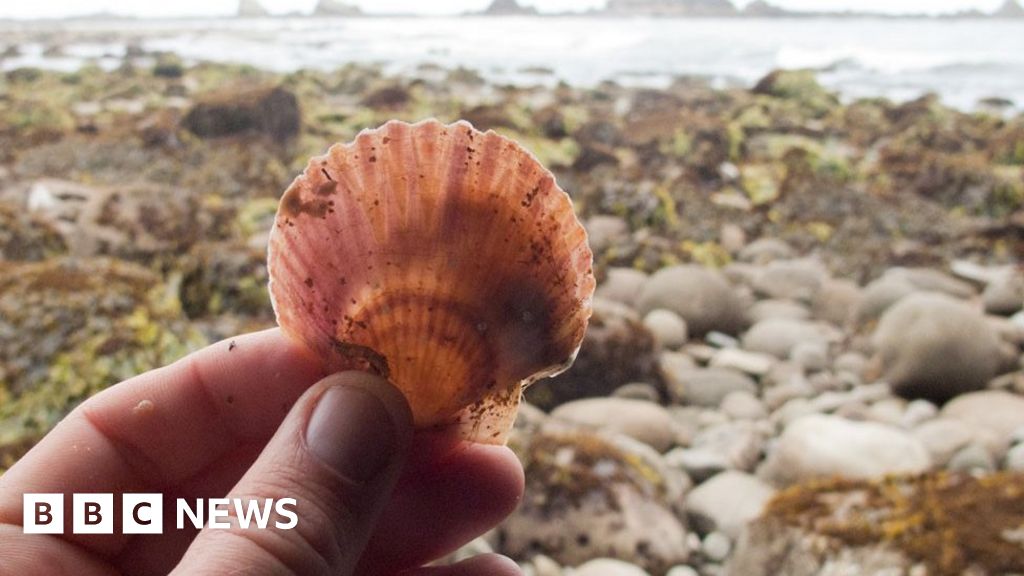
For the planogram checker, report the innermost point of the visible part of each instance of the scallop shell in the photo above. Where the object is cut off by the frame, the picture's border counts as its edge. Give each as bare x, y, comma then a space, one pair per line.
441, 257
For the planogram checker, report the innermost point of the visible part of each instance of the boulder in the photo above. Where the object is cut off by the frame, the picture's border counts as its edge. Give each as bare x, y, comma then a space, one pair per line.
816, 446
270, 111
702, 297
935, 347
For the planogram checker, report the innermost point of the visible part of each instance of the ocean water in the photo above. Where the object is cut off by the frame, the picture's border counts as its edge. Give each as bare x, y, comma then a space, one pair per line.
961, 60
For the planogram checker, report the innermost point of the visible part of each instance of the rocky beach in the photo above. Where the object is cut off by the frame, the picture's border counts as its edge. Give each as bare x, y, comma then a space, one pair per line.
807, 349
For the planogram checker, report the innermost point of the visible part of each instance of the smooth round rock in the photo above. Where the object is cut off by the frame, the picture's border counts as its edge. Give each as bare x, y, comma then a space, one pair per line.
787, 309
935, 347
622, 285
1004, 296
726, 502
778, 336
639, 419
609, 567
716, 546
702, 297
994, 415
668, 328
816, 446
705, 386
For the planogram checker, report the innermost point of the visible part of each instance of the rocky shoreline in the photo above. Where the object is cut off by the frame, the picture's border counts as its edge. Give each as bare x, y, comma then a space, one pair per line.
807, 352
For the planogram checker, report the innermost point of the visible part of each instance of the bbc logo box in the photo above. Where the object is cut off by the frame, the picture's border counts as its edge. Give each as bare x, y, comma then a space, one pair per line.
92, 514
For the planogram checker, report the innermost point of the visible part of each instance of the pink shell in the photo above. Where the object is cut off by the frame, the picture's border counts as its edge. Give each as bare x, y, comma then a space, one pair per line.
443, 258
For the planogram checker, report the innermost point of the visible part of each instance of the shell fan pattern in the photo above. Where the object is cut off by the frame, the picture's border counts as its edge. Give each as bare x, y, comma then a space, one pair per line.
442, 258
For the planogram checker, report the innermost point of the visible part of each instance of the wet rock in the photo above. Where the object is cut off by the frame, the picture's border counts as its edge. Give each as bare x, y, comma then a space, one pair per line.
778, 336
667, 327
702, 297
798, 85
816, 446
1004, 296
592, 496
622, 285
644, 421
704, 386
617, 349
270, 111
934, 347
993, 415
727, 502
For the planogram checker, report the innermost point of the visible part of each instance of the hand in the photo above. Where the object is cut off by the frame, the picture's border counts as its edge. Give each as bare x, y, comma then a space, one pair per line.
253, 417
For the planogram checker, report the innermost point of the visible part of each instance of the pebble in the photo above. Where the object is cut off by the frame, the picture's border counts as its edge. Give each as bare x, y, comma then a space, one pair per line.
743, 405
682, 571
786, 309
813, 356
702, 297
973, 458
1015, 458
716, 546
608, 567
791, 279
817, 445
943, 437
992, 414
765, 250
667, 327
778, 336
639, 419
753, 363
1004, 296
705, 386
727, 502
638, 391
622, 285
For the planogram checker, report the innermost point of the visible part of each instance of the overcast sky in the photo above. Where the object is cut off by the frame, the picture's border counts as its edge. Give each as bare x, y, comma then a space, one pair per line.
52, 8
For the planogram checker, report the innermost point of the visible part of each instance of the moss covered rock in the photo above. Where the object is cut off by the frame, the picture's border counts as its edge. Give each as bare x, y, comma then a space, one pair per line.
947, 524
69, 328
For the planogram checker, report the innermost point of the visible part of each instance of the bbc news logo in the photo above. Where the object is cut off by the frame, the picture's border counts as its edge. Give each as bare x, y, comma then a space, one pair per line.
144, 513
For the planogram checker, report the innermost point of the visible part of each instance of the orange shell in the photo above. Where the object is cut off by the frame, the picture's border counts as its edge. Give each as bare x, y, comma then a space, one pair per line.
440, 257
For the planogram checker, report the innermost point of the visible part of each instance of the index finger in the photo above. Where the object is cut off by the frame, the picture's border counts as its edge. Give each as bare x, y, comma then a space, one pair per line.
158, 429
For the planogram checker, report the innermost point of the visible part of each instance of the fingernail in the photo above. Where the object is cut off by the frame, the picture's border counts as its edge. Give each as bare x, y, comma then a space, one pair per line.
352, 432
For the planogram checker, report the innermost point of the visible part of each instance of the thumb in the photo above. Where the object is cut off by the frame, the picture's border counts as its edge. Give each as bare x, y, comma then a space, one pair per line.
338, 453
